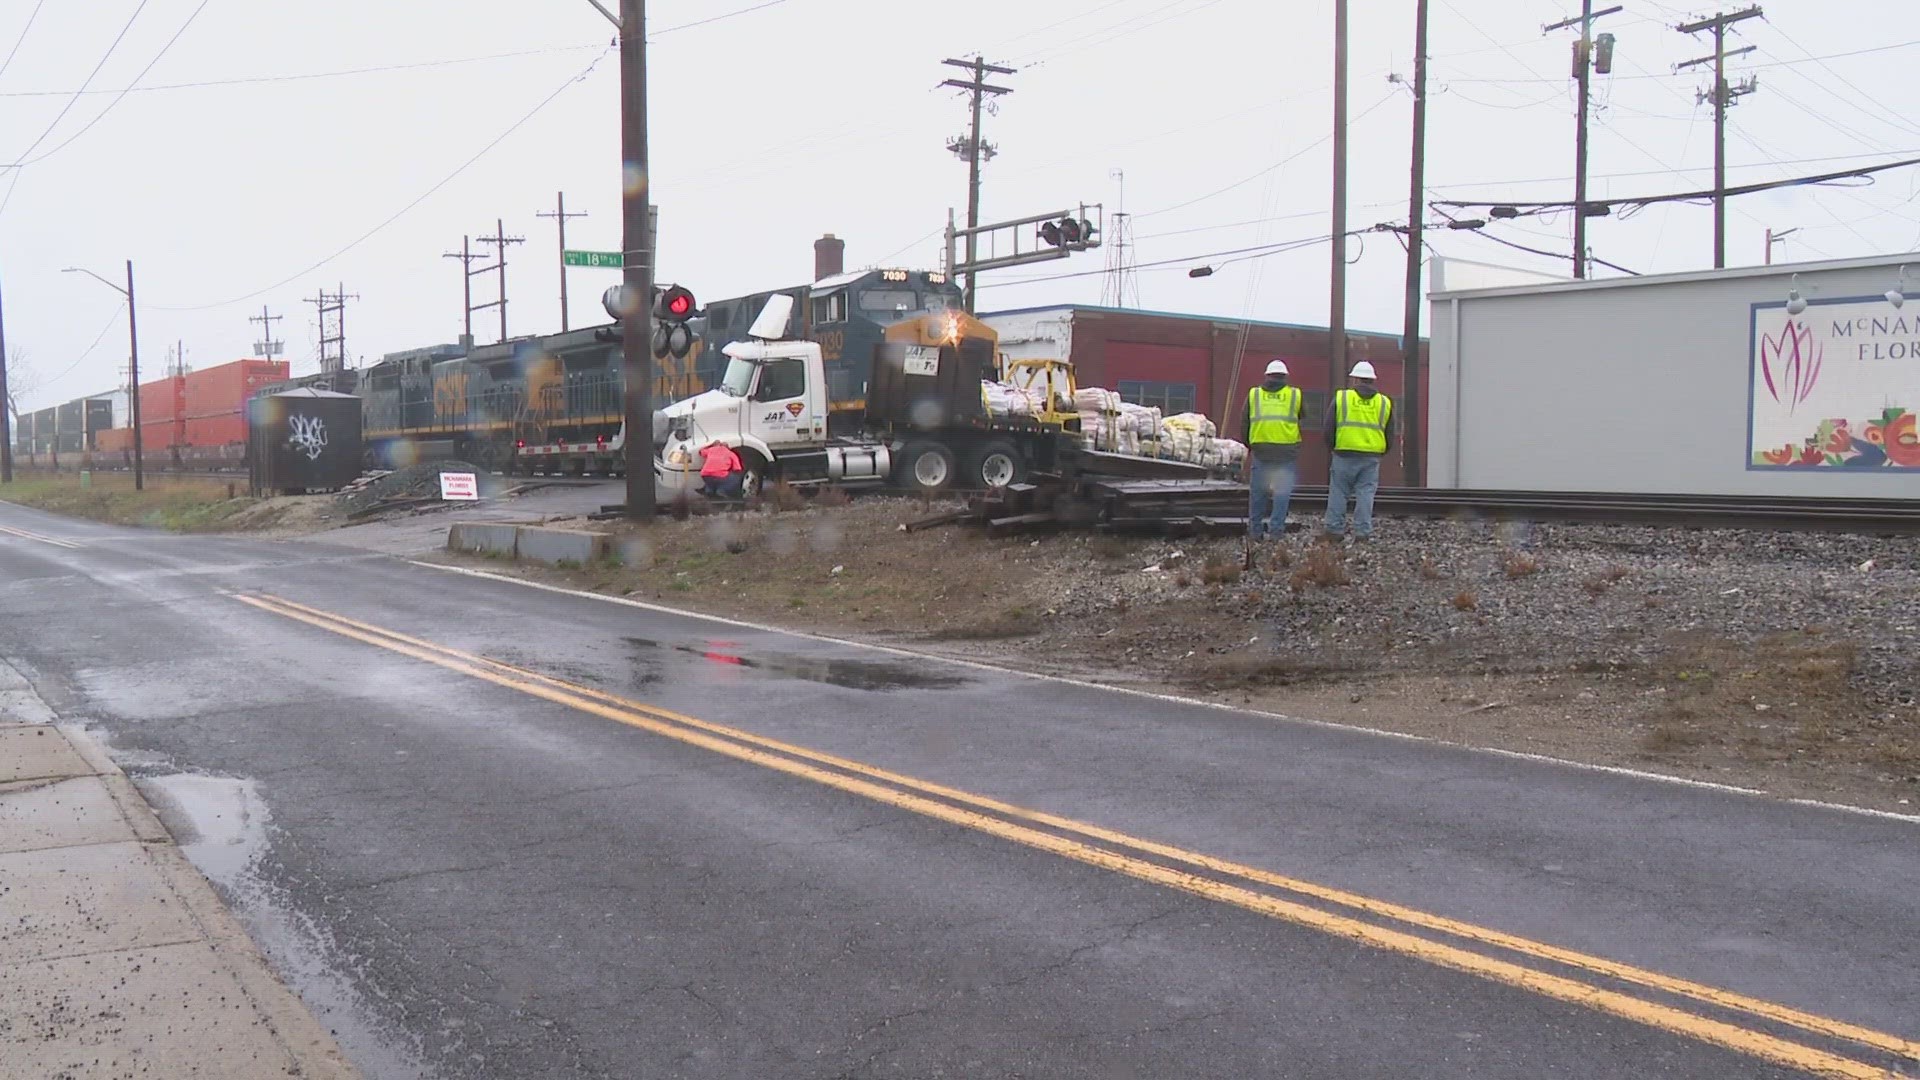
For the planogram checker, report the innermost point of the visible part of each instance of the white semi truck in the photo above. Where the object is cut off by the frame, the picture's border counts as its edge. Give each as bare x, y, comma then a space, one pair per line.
921, 424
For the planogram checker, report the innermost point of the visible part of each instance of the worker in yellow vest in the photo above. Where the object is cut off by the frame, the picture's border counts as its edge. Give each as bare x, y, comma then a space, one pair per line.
1359, 432
1273, 452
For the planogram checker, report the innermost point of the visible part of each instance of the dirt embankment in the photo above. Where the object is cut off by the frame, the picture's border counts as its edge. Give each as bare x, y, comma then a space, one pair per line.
1788, 662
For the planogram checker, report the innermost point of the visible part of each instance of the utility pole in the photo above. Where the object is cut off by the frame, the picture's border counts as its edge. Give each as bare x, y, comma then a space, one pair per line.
1583, 68
333, 334
466, 257
1337, 300
970, 147
636, 226
1722, 96
6, 403
133, 374
1416, 207
1772, 239
500, 241
560, 215
267, 347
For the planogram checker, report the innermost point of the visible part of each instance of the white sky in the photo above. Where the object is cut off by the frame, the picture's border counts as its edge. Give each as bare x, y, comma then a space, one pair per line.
815, 116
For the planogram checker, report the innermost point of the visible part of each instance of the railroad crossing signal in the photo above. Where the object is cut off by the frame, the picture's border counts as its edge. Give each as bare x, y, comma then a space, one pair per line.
1073, 234
672, 307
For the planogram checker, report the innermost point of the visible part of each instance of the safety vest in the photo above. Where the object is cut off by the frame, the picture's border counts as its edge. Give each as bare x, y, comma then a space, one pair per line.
1360, 424
1275, 415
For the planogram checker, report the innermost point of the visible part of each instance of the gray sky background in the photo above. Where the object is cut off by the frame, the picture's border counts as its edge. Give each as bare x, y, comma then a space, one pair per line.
815, 116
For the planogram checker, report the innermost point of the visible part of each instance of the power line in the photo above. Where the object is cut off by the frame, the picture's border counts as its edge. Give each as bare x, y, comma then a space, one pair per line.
403, 211
1282, 163
1667, 75
714, 19
1559, 256
1669, 170
251, 80
122, 96
97, 339
71, 101
1256, 252
21, 40
1528, 208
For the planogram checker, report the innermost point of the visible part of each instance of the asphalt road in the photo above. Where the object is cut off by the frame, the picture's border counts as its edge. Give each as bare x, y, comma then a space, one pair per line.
494, 831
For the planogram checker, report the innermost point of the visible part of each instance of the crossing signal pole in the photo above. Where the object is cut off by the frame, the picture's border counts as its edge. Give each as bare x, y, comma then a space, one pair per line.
970, 148
1337, 297
1722, 97
560, 217
1584, 65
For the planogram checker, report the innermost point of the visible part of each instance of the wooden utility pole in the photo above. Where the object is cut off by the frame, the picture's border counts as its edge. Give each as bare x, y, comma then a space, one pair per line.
133, 397
6, 403
1337, 300
971, 148
1583, 78
500, 241
636, 311
466, 257
560, 216
1777, 238
1722, 97
1410, 373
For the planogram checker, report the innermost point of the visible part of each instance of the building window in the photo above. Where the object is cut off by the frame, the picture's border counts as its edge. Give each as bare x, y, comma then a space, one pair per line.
1168, 397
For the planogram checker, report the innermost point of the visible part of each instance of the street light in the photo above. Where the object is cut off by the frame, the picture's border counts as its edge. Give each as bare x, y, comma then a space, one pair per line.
133, 364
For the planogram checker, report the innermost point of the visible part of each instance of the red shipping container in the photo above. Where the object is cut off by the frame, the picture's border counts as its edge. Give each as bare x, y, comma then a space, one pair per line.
209, 431
113, 440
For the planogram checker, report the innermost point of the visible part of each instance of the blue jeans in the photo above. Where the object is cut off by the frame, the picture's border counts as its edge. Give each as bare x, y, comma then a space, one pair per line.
1356, 476
724, 487
1269, 491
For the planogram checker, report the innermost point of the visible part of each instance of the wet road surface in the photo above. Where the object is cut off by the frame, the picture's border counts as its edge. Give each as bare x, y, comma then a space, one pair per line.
489, 830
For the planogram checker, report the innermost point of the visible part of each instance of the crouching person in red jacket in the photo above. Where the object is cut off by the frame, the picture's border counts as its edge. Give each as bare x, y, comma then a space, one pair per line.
721, 473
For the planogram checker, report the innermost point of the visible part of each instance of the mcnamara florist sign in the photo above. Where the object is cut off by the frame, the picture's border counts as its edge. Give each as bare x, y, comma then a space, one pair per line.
1835, 386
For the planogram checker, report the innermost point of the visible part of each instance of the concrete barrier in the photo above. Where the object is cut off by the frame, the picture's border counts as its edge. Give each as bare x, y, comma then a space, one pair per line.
528, 543
479, 538
553, 546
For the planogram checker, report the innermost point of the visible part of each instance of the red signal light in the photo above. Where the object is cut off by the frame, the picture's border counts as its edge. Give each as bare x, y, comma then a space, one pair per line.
681, 304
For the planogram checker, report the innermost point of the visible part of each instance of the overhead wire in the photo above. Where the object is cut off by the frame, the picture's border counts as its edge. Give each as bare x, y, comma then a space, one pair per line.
651, 34
112, 320
1257, 251
423, 197
252, 80
75, 98
1282, 163
22, 39
122, 96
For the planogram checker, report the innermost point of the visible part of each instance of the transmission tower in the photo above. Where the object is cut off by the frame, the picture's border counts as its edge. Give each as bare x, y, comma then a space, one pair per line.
1122, 285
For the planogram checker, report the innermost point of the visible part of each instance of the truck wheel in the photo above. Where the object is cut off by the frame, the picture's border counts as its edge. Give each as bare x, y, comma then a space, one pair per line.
995, 465
927, 466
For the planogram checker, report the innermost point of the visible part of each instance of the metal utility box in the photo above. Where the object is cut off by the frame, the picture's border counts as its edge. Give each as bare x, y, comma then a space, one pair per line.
304, 440
929, 387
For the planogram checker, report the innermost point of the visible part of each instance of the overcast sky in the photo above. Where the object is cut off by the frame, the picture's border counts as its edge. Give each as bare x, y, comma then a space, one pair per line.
263, 185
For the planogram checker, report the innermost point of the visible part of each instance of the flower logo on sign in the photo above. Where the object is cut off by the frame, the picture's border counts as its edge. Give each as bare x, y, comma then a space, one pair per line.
1790, 364
309, 436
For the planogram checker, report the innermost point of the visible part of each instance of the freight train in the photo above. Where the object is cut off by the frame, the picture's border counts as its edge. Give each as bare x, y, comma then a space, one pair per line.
552, 402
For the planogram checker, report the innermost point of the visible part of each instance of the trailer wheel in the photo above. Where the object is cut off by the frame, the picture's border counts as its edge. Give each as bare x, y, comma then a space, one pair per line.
927, 466
995, 465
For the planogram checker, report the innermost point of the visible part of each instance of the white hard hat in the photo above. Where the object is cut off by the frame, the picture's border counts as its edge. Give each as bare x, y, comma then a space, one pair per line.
1362, 370
1277, 367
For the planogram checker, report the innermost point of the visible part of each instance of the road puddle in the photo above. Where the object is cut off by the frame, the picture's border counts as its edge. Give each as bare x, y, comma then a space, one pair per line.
851, 674
224, 828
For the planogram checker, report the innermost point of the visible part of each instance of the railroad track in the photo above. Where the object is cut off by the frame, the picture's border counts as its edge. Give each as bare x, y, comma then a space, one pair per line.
1219, 507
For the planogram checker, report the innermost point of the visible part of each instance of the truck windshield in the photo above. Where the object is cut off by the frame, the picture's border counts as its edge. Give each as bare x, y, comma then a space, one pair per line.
739, 377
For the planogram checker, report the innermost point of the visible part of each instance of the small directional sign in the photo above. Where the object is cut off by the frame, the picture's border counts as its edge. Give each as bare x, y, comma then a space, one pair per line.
610, 259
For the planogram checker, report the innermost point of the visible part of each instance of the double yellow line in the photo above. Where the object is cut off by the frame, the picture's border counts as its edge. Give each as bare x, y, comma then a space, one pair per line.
1440, 940
25, 535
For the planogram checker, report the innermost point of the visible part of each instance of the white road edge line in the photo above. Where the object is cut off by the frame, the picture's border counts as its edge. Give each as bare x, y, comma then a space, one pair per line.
1172, 699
